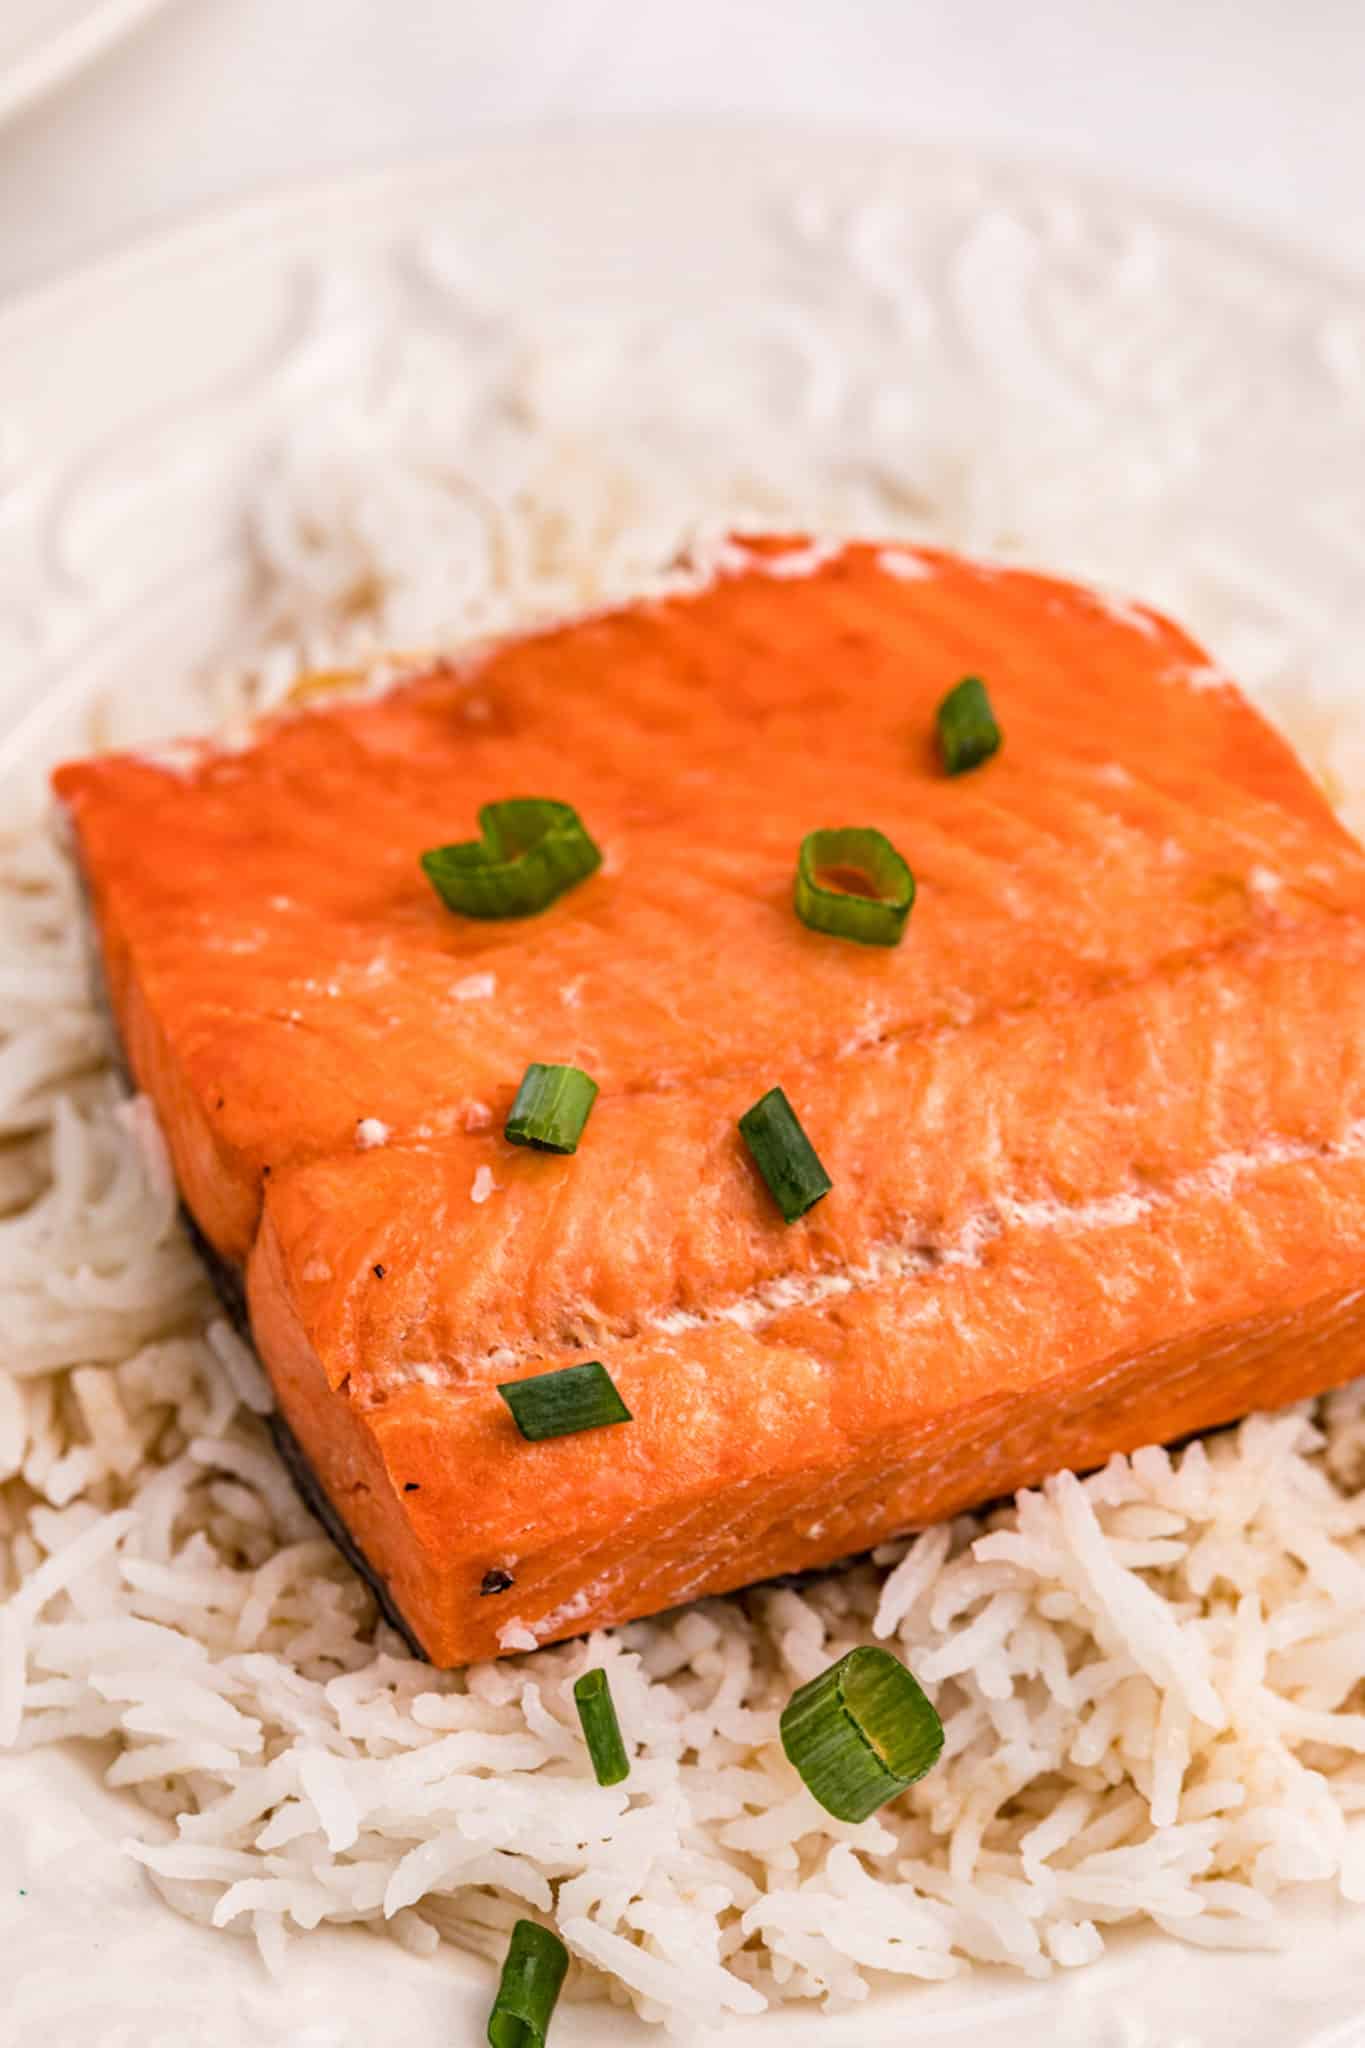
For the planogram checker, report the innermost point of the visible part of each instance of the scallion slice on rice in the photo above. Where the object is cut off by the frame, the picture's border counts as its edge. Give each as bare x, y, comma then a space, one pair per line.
601, 1729
532, 1974
860, 1733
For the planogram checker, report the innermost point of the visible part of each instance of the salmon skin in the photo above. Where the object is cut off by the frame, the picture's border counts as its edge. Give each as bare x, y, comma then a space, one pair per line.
1095, 1127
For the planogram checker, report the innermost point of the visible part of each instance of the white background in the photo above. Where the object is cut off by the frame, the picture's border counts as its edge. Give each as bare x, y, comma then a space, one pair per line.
1254, 107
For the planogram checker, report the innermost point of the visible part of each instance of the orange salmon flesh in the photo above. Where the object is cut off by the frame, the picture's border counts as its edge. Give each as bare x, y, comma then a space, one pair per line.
1096, 1127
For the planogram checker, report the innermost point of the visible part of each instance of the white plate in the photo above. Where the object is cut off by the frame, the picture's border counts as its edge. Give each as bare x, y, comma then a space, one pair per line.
44, 41
136, 402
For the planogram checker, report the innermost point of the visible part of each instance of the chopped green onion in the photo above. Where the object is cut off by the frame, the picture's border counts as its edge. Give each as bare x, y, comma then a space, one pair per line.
551, 1108
563, 1402
967, 731
860, 1733
532, 1974
532, 850
784, 1154
851, 881
601, 1729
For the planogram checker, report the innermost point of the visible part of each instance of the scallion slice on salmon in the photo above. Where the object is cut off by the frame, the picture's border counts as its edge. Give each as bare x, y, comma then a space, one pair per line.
852, 883
967, 731
531, 851
564, 1402
784, 1155
552, 1105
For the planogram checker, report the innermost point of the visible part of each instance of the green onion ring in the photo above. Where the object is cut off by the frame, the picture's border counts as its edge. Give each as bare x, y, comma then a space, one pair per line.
852, 883
533, 849
860, 1733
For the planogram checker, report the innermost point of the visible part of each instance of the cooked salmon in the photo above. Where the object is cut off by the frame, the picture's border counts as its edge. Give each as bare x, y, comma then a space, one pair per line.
1095, 1127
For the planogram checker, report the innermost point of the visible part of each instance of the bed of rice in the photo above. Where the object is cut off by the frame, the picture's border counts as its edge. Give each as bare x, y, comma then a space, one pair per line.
1150, 1678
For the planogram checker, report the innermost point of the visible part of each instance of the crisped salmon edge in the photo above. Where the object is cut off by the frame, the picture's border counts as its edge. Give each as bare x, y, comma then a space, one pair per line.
896, 1259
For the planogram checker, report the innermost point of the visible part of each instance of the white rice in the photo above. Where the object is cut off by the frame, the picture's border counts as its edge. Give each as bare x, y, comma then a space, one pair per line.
1150, 1679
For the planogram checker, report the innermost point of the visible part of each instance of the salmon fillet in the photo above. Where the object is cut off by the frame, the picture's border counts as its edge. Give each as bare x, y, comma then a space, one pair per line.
1096, 1127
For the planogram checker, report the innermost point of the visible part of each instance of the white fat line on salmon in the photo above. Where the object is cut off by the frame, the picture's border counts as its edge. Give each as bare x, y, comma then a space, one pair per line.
901, 1260
800, 562
711, 556
578, 1608
1123, 610
475, 988
1199, 675
731, 555
904, 564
